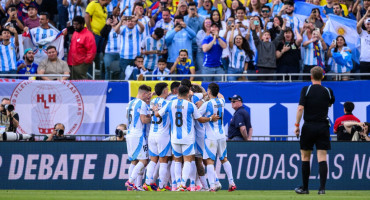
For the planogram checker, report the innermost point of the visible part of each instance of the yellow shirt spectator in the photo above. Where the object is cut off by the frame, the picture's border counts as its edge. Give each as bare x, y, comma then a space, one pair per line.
98, 15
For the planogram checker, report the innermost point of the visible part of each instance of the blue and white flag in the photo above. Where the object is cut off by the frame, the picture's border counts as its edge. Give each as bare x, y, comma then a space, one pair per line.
303, 10
345, 27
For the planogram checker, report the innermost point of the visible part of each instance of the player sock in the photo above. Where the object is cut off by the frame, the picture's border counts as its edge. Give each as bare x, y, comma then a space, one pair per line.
168, 173
185, 173
135, 172
149, 172
155, 173
193, 174
130, 169
203, 180
211, 175
229, 172
177, 170
197, 180
305, 173
323, 169
217, 182
139, 178
162, 174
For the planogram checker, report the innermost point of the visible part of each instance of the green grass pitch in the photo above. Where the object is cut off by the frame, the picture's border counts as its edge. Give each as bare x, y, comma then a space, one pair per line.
220, 195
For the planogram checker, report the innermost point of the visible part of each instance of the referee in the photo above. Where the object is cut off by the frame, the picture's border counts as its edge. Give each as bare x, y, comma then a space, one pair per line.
315, 101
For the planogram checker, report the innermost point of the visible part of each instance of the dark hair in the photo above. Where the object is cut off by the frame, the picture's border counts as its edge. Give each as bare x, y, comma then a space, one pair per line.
184, 50
79, 20
183, 90
178, 17
192, 4
259, 5
175, 85
337, 4
186, 82
159, 87
214, 88
159, 32
203, 26
345, 43
137, 57
5, 98
368, 127
196, 88
51, 47
264, 6
240, 8
166, 10
135, 5
162, 60
260, 21
46, 14
12, 6
219, 20
317, 73
246, 47
288, 29
348, 107
5, 30
145, 88
59, 124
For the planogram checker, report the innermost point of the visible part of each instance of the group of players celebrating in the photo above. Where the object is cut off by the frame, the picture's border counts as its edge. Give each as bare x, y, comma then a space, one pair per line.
186, 134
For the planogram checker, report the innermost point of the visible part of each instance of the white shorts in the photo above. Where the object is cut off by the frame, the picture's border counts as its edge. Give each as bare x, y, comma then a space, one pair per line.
159, 146
137, 148
199, 147
179, 150
214, 148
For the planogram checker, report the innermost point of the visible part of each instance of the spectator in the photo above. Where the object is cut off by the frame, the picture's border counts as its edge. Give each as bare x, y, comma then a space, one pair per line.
120, 133
27, 66
58, 131
314, 47
51, 7
266, 51
112, 48
174, 91
216, 18
342, 57
267, 20
365, 44
82, 50
243, 24
360, 10
158, 13
130, 42
206, 31
241, 54
166, 22
275, 29
13, 19
183, 65
254, 8
232, 10
315, 18
338, 10
8, 55
95, 18
33, 20
179, 38
8, 118
44, 30
74, 9
212, 46
328, 8
182, 9
161, 69
22, 6
62, 15
53, 65
139, 13
205, 7
288, 53
275, 6
240, 128
293, 21
339, 128
138, 68
153, 48
358, 135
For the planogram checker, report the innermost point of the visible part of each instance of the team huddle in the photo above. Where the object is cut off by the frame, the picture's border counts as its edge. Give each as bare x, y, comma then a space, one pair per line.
183, 131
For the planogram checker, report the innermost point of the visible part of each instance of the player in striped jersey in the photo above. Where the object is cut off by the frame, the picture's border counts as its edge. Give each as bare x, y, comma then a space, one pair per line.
215, 139
182, 115
130, 42
137, 148
44, 30
8, 55
153, 48
174, 91
159, 139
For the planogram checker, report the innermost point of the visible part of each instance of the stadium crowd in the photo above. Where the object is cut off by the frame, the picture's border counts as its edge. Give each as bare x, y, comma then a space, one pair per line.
180, 37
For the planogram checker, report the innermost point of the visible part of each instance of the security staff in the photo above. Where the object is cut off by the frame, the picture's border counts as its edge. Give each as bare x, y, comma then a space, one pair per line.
240, 128
315, 102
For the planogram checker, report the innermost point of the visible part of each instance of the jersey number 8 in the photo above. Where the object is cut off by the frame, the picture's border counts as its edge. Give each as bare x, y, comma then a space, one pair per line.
178, 120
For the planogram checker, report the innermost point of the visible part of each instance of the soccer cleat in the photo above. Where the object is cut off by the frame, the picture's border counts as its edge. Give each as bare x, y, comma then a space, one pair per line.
154, 187
168, 188
147, 187
161, 189
212, 190
181, 188
300, 190
232, 187
174, 188
138, 188
321, 192
129, 185
218, 187
203, 190
198, 187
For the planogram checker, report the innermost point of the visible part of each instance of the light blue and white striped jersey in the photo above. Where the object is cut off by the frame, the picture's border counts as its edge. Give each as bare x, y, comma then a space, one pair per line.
166, 71
172, 97
73, 10
114, 42
160, 126
145, 21
130, 4
150, 44
309, 55
238, 58
199, 127
182, 115
39, 33
293, 22
166, 26
8, 56
135, 127
130, 42
214, 130
345, 55
111, 6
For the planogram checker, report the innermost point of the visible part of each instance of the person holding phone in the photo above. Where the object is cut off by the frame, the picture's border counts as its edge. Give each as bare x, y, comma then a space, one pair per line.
183, 65
342, 57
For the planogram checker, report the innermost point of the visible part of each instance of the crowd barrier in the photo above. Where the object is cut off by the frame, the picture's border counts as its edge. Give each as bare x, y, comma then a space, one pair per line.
104, 166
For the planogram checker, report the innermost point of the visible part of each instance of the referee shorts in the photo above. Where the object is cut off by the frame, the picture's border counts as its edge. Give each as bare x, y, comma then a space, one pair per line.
315, 133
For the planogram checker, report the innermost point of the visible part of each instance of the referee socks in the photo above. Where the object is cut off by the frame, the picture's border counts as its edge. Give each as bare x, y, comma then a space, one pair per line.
323, 170
306, 173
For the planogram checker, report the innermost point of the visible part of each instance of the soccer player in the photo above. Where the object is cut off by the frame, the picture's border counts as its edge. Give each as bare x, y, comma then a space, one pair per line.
215, 140
174, 91
137, 148
159, 140
182, 114
8, 55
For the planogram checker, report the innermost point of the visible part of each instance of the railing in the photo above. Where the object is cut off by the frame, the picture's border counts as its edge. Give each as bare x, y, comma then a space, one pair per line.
59, 76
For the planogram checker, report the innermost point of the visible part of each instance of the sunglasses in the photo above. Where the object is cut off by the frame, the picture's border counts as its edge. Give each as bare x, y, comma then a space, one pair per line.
233, 101
265, 11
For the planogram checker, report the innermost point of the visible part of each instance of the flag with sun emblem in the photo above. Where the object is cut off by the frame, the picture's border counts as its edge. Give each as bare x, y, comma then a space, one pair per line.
345, 27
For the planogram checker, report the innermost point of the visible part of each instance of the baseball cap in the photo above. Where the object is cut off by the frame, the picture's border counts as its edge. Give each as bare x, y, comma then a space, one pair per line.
27, 50
32, 6
236, 98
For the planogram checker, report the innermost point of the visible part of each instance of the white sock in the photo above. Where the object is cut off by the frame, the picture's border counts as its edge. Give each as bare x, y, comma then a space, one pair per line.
217, 182
136, 171
149, 172
162, 174
155, 173
229, 172
211, 175
193, 174
177, 170
197, 181
168, 173
173, 177
139, 178
203, 181
130, 170
185, 173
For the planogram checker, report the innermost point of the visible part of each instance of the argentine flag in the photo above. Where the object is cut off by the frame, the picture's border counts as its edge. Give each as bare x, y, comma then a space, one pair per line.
345, 27
303, 10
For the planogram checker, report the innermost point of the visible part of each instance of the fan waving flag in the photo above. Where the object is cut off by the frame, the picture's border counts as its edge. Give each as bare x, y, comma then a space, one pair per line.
303, 10
345, 27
